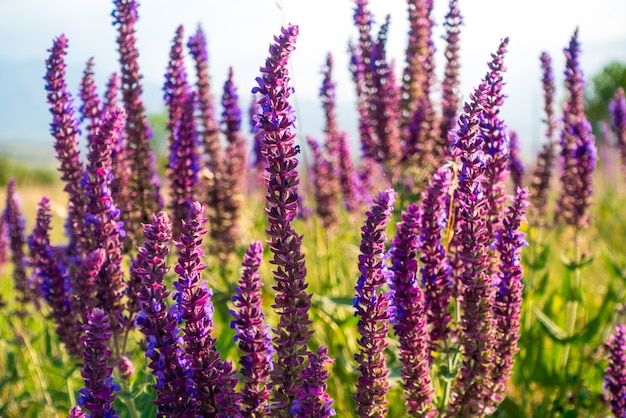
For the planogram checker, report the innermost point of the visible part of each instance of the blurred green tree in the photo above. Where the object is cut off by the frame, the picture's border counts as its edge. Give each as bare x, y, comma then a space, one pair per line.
601, 91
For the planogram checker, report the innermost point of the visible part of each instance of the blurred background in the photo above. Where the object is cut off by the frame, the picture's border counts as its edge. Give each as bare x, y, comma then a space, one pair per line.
240, 31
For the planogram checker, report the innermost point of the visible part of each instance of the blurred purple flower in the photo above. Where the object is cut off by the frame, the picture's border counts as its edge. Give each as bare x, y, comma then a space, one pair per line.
143, 183
516, 166
55, 281
615, 374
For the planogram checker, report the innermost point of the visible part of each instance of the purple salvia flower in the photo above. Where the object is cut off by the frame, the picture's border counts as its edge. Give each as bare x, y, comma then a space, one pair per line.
540, 182
194, 303
100, 391
473, 252
415, 77
119, 164
65, 129
615, 374
578, 151
549, 90
516, 166
252, 335
292, 301
125, 367
323, 182
90, 108
183, 164
436, 271
55, 281
175, 395
103, 226
331, 128
228, 399
348, 177
4, 244
235, 165
618, 120
143, 184
409, 322
313, 400
366, 135
371, 305
210, 127
82, 283
15, 227
258, 160
495, 147
508, 302
450, 99
76, 412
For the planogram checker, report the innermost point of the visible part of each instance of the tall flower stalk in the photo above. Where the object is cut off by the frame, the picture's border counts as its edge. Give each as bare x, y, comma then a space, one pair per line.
372, 306
174, 388
65, 129
409, 321
615, 374
292, 301
252, 335
143, 185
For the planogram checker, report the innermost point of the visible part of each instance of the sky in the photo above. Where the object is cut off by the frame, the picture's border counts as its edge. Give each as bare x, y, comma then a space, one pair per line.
240, 31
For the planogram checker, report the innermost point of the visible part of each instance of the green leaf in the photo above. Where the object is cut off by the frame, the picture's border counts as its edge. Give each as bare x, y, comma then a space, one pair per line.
573, 265
511, 409
554, 331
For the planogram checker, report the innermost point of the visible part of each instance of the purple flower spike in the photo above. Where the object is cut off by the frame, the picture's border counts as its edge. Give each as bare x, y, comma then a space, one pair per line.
100, 390
615, 377
292, 301
193, 299
618, 120
331, 128
183, 165
578, 150
409, 322
55, 281
91, 108
323, 182
65, 129
103, 226
450, 100
415, 78
540, 182
83, 282
473, 251
235, 165
210, 127
313, 400
436, 271
15, 227
371, 305
252, 335
516, 166
258, 162
508, 301
348, 177
496, 142
174, 390
143, 184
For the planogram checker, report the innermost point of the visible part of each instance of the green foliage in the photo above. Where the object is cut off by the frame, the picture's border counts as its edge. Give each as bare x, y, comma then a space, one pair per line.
25, 173
602, 90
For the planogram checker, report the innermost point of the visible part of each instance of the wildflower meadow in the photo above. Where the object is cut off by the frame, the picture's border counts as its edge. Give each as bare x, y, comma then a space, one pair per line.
422, 269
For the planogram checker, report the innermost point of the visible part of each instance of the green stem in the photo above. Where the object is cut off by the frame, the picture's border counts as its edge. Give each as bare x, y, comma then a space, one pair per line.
68, 378
572, 305
23, 337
